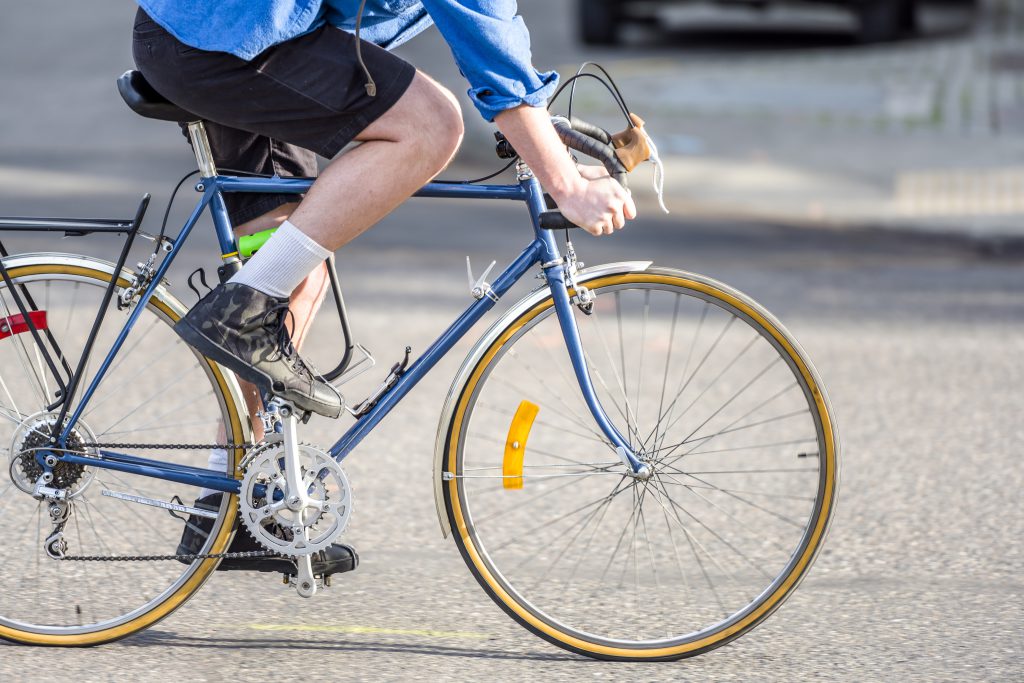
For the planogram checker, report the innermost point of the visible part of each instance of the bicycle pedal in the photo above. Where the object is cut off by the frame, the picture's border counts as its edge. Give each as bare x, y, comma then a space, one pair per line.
292, 581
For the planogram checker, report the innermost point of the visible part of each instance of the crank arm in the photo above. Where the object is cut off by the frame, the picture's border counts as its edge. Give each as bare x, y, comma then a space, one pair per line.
305, 582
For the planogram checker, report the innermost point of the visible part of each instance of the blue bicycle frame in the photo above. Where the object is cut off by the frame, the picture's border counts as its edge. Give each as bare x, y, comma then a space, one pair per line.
543, 250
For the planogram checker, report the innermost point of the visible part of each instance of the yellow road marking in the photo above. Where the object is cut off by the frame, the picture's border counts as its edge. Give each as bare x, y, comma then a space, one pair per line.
374, 630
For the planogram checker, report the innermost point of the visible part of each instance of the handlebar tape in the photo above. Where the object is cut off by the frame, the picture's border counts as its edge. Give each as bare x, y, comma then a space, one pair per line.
554, 220
589, 129
605, 153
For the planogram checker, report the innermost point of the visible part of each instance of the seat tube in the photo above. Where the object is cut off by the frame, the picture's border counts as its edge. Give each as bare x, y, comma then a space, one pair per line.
218, 209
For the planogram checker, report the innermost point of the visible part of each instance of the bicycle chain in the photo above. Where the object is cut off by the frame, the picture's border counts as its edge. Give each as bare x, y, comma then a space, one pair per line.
164, 558
191, 557
176, 446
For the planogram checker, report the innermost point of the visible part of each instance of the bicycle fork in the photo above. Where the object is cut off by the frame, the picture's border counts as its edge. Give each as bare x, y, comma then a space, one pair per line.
555, 274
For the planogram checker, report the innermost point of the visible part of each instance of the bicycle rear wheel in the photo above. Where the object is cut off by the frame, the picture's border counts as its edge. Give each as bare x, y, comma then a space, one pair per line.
157, 391
721, 403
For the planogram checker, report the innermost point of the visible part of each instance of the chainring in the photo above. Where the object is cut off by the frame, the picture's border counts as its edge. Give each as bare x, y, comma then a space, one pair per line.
286, 530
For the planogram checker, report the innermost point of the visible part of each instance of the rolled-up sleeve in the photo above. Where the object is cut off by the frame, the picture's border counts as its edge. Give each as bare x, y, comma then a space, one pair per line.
491, 45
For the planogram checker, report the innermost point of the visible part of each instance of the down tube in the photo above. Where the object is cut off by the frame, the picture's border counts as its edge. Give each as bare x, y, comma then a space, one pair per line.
437, 351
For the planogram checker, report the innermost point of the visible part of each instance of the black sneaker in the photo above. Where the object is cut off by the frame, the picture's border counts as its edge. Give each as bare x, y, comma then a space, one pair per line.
336, 559
244, 330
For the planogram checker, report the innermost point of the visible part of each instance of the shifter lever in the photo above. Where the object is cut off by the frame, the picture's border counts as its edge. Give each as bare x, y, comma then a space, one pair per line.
481, 288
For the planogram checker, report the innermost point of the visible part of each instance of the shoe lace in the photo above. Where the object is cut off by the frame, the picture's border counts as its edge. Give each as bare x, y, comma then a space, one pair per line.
275, 321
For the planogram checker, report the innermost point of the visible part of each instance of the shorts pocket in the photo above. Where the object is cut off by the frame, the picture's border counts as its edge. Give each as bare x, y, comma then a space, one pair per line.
147, 28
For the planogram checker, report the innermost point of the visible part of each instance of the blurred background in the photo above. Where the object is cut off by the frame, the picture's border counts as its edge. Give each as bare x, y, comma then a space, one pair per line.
871, 112
858, 167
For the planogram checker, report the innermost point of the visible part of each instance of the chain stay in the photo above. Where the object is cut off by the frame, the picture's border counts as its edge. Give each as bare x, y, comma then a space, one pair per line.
164, 558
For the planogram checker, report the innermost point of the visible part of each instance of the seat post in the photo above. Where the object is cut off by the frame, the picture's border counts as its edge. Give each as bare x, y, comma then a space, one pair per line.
201, 147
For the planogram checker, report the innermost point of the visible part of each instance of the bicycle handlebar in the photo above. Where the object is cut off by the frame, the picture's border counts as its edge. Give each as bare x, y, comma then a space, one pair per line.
596, 143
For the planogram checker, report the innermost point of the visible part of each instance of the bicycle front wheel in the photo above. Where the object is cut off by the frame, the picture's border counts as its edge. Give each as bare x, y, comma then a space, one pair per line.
156, 392
721, 403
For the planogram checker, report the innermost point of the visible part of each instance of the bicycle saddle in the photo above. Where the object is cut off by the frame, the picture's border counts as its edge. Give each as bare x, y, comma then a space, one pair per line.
144, 100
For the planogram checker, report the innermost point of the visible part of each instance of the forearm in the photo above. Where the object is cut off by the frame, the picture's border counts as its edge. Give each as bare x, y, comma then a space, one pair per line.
530, 131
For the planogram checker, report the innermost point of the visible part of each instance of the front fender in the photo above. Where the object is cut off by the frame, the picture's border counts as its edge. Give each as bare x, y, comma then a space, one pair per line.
477, 352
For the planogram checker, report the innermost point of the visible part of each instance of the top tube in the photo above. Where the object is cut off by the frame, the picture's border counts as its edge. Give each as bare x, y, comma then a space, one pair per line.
275, 185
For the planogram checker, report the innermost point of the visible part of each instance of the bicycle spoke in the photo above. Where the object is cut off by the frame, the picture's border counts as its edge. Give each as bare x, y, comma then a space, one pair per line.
522, 504
547, 523
732, 398
685, 382
114, 389
668, 354
699, 396
739, 523
694, 545
171, 411
753, 447
625, 413
752, 504
25, 358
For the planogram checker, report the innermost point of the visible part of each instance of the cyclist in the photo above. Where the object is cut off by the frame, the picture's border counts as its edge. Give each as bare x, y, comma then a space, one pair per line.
280, 81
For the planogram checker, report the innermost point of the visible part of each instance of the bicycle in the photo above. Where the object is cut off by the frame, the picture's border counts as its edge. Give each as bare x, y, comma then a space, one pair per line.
651, 493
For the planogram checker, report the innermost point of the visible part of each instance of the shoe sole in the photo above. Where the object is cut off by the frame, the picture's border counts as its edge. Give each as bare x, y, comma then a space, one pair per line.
215, 352
280, 565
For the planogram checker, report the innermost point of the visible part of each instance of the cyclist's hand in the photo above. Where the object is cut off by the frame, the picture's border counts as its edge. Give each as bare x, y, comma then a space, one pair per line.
600, 206
592, 172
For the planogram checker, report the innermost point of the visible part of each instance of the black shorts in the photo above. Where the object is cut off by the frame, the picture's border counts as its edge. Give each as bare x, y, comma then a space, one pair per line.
275, 113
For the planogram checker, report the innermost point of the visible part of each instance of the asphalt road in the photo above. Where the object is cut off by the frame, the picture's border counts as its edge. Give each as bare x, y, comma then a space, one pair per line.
919, 343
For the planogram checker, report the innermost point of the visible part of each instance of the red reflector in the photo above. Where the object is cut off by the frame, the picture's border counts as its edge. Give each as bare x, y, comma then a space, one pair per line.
16, 324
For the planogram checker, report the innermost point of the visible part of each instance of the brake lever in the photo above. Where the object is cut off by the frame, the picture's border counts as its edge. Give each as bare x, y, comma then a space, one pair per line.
632, 146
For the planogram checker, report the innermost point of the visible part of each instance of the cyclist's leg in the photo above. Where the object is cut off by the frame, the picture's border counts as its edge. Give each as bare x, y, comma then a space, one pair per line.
239, 150
399, 152
307, 92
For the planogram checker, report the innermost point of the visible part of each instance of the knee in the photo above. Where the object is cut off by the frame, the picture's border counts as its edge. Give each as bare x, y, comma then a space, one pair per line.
441, 127
452, 128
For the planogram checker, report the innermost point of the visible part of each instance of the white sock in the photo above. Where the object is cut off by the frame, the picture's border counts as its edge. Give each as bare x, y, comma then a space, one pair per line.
218, 462
282, 263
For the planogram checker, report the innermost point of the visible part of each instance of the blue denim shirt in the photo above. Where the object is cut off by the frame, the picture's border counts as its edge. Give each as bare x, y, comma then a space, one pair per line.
489, 41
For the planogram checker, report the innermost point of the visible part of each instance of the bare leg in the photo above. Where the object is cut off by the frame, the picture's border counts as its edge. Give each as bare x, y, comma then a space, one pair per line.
406, 147
399, 152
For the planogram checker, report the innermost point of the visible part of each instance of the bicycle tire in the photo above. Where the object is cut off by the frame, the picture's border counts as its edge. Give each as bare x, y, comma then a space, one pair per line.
472, 541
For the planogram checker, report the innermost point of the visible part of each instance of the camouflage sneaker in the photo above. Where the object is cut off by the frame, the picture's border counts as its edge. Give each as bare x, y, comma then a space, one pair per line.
244, 330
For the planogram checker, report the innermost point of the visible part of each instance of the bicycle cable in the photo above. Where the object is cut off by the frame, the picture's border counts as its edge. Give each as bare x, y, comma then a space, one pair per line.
480, 180
614, 87
167, 211
613, 91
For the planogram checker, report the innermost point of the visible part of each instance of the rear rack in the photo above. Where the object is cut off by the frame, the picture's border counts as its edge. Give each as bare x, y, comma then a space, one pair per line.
71, 227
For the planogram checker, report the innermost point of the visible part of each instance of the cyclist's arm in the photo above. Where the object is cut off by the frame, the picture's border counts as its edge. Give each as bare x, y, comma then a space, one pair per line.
491, 45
